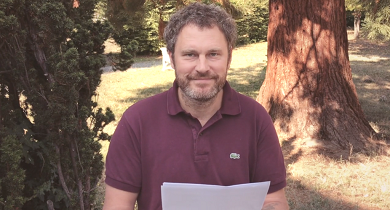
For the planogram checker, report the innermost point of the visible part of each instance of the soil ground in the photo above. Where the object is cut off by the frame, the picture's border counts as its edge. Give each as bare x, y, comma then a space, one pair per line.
370, 63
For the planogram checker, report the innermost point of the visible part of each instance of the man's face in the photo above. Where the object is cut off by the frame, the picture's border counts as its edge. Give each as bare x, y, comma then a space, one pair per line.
201, 61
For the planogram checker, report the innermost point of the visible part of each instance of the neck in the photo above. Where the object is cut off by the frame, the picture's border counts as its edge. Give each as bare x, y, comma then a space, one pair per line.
202, 110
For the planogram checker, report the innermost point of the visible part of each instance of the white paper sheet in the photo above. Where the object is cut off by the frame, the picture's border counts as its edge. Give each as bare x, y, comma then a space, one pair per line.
179, 196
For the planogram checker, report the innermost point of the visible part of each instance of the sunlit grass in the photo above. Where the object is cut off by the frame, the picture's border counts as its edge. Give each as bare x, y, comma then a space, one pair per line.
362, 184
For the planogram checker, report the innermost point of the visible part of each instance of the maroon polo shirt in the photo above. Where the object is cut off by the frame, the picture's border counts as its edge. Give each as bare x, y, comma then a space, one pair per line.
156, 141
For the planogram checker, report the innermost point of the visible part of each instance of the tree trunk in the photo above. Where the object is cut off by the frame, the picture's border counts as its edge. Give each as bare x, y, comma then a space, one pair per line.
161, 23
73, 155
161, 27
356, 26
308, 89
61, 174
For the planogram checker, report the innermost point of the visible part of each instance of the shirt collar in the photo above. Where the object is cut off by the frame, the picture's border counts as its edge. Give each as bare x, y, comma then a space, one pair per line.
230, 103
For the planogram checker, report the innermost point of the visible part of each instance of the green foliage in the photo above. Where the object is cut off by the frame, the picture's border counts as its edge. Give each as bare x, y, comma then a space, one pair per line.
12, 177
130, 31
141, 26
377, 26
252, 26
144, 26
354, 5
149, 36
51, 55
355, 12
377, 21
101, 10
351, 16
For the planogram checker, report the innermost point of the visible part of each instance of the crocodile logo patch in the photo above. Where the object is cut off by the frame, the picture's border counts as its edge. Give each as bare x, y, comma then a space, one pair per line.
234, 156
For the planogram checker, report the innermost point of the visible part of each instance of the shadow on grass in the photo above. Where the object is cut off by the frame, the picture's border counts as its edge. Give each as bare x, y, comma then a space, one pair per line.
247, 80
372, 82
368, 48
309, 198
146, 92
147, 63
302, 196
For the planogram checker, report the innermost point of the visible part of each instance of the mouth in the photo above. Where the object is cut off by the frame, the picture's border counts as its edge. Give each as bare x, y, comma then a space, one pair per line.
202, 78
203, 81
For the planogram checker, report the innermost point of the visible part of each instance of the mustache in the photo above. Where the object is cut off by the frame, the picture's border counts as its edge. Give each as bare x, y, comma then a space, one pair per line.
202, 75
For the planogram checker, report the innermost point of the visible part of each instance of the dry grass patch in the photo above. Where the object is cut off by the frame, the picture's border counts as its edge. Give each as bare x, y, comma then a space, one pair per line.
316, 182
370, 63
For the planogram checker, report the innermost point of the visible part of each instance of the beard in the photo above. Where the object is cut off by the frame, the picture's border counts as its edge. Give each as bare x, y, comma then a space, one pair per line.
198, 94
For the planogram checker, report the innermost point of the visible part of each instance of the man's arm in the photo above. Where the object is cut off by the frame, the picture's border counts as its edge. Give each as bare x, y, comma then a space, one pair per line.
276, 201
116, 199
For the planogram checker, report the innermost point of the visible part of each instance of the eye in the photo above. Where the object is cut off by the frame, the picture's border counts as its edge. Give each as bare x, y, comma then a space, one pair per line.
189, 55
213, 54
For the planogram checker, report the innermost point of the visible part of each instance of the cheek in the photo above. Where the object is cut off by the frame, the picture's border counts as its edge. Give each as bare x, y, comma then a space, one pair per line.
184, 67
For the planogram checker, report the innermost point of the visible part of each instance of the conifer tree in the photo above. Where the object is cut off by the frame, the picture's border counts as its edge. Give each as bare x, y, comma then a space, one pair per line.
51, 55
377, 21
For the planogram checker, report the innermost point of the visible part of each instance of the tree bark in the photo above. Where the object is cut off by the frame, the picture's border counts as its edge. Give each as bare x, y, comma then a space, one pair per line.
50, 205
73, 155
308, 89
39, 53
60, 174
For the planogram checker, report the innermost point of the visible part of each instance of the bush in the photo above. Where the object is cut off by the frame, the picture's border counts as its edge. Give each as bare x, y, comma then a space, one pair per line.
50, 126
252, 26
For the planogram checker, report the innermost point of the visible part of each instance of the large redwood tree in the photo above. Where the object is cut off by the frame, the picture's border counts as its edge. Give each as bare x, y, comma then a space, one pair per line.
308, 89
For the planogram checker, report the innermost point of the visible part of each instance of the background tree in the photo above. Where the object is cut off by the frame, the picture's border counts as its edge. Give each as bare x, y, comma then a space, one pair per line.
357, 11
252, 21
51, 55
139, 25
308, 89
136, 29
377, 21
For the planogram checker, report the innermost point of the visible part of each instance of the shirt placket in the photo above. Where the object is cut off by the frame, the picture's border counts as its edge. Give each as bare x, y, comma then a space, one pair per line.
201, 144
200, 149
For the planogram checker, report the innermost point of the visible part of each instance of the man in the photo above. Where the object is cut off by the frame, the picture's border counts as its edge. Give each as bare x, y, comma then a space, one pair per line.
200, 130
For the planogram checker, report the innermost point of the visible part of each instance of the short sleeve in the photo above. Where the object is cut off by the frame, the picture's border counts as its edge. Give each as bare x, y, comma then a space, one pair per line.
270, 161
123, 162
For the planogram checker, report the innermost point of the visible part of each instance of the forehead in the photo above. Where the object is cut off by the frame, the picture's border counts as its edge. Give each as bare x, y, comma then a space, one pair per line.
194, 36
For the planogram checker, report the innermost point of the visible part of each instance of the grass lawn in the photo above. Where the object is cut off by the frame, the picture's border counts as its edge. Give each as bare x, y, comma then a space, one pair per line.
314, 182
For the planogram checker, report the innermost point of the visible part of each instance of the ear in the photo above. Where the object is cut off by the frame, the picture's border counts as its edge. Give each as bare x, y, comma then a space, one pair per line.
172, 63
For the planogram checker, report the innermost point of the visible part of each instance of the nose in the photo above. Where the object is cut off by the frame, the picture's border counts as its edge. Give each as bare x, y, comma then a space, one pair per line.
202, 64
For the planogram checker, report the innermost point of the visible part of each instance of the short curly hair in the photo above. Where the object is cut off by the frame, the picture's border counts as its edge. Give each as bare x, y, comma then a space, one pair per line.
200, 15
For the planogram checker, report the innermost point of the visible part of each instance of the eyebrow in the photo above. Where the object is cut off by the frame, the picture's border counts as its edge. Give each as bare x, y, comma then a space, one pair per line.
194, 51
216, 49
188, 51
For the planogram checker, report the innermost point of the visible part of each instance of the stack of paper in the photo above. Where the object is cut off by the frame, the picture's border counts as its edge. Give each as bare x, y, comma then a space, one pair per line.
178, 196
